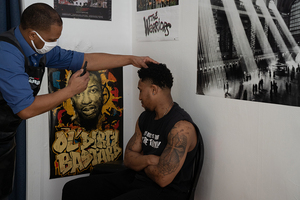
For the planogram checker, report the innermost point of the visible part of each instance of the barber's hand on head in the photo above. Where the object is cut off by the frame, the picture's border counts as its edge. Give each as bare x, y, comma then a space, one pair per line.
79, 83
141, 61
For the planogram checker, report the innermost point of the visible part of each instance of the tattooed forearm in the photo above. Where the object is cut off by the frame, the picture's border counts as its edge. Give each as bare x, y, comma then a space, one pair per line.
173, 153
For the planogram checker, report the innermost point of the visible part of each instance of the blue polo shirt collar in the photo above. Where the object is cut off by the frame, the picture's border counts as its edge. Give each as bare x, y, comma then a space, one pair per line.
25, 46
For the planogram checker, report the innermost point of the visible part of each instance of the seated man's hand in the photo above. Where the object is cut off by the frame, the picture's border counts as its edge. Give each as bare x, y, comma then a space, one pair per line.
153, 160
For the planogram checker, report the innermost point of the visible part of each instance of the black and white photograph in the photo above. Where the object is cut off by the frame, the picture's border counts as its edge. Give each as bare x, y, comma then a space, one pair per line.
249, 50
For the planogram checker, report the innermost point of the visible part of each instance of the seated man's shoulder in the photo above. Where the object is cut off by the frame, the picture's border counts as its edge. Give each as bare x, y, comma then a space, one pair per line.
185, 132
185, 127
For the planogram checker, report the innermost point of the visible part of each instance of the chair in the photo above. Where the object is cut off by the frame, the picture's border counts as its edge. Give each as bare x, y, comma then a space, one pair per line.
198, 162
109, 167
114, 166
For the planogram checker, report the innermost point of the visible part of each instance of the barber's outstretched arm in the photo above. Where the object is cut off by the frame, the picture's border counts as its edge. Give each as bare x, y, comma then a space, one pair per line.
134, 158
44, 103
100, 61
181, 139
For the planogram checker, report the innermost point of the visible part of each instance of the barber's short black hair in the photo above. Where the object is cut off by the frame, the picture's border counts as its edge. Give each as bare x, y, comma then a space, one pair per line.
40, 16
158, 74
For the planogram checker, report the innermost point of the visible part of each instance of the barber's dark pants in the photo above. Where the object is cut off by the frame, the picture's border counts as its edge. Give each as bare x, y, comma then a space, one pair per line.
117, 186
7, 166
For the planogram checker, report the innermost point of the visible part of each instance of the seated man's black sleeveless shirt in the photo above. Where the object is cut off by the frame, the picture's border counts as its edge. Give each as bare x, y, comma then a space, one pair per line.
155, 138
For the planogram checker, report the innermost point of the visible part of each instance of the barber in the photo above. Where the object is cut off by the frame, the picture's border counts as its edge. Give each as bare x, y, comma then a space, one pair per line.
25, 51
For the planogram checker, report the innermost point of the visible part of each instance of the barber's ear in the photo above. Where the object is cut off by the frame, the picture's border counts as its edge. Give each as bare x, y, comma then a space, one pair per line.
32, 35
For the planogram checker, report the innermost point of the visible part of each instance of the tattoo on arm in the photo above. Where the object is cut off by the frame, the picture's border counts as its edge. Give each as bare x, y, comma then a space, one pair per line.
132, 142
174, 151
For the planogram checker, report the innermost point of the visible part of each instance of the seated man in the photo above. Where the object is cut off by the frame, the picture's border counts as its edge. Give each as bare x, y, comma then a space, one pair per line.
159, 155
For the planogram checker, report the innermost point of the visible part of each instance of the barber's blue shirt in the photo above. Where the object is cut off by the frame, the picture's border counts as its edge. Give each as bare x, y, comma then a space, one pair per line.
14, 84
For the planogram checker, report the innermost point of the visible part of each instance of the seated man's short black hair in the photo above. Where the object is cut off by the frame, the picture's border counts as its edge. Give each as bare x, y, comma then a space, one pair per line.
158, 74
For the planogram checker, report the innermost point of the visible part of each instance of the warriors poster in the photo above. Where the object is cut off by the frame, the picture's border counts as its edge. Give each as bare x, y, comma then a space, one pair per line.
157, 20
248, 50
84, 9
86, 129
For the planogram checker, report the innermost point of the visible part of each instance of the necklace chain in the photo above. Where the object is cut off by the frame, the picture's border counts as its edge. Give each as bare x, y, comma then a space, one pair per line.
168, 108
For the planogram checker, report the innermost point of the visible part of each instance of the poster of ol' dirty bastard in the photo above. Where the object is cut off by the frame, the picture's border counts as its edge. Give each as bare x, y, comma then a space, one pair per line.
86, 129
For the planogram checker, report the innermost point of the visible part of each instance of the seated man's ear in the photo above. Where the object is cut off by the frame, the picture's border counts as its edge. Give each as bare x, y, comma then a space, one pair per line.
154, 89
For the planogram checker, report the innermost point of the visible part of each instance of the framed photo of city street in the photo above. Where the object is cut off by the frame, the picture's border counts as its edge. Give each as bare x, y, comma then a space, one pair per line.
84, 9
154, 4
248, 50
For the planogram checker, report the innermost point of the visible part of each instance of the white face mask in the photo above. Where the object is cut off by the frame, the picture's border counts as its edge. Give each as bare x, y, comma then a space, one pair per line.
48, 46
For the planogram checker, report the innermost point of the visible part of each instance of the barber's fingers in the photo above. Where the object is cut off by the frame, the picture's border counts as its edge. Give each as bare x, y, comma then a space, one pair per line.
141, 61
86, 75
79, 83
79, 72
148, 60
86, 78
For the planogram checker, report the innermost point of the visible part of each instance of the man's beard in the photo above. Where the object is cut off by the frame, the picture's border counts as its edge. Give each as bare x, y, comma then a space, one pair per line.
89, 124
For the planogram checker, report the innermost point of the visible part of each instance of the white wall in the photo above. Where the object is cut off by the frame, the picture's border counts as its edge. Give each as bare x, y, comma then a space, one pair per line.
86, 36
251, 149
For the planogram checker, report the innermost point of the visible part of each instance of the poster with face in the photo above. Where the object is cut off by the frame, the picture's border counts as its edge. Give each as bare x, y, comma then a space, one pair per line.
248, 50
86, 129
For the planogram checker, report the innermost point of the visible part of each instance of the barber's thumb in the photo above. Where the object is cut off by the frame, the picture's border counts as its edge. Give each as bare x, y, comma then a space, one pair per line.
78, 72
